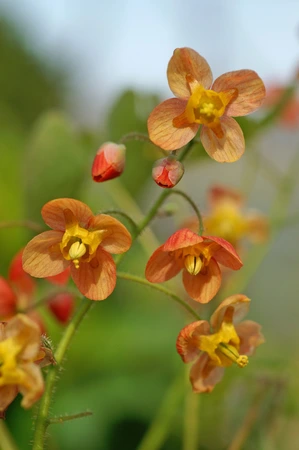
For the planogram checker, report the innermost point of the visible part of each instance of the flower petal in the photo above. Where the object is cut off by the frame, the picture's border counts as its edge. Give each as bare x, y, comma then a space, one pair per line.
187, 63
251, 91
42, 256
161, 266
187, 341
62, 278
26, 333
52, 212
204, 374
239, 302
258, 227
182, 238
96, 280
117, 239
226, 254
250, 336
8, 299
7, 394
203, 286
218, 194
161, 129
22, 282
230, 147
33, 386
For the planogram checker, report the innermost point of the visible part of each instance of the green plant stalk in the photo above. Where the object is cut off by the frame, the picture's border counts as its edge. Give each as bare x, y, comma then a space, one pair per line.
196, 210
42, 419
6, 440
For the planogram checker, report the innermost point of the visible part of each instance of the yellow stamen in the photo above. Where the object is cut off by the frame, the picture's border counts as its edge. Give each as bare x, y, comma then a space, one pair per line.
193, 264
77, 250
231, 353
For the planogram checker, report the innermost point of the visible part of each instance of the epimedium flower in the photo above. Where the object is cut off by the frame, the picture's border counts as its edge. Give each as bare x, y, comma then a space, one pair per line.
167, 172
198, 257
174, 122
109, 162
229, 342
20, 348
81, 241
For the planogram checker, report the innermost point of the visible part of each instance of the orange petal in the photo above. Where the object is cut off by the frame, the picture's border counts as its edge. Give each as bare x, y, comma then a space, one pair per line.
117, 239
226, 254
26, 333
251, 91
96, 280
204, 374
258, 227
161, 266
52, 212
187, 64
62, 278
161, 129
180, 239
203, 286
218, 194
42, 256
7, 394
33, 386
188, 340
239, 302
250, 336
230, 147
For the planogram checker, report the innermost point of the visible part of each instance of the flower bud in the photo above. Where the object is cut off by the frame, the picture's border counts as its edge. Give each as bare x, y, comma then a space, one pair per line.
61, 305
167, 172
109, 162
8, 299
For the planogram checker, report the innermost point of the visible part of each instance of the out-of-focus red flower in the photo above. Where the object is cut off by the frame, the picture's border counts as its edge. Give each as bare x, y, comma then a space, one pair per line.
198, 257
81, 241
227, 344
109, 162
61, 305
167, 172
174, 122
289, 116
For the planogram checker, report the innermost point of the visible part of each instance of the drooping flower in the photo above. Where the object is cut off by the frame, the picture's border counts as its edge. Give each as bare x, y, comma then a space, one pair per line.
79, 240
109, 162
227, 344
198, 257
226, 218
19, 349
174, 122
167, 172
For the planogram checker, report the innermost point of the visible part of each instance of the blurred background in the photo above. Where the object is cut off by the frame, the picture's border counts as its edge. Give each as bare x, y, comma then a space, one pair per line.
74, 75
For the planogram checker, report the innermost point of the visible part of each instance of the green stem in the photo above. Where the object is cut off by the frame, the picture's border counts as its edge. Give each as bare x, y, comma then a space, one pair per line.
122, 213
191, 202
6, 440
157, 287
134, 136
62, 419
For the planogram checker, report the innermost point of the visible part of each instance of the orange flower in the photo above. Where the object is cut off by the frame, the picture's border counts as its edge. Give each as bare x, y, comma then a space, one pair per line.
79, 240
174, 122
19, 349
227, 219
227, 345
198, 257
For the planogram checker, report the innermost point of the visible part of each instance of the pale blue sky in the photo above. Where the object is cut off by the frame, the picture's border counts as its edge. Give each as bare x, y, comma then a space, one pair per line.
117, 44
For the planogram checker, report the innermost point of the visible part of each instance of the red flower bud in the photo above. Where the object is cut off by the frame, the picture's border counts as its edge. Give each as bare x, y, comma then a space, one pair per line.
61, 305
167, 172
109, 162
8, 299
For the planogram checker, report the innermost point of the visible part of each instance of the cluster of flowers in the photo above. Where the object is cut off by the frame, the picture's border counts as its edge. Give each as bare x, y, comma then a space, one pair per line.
80, 243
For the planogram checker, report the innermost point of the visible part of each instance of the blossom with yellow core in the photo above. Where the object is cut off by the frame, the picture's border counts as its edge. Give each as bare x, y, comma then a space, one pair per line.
198, 257
20, 348
228, 344
79, 240
174, 122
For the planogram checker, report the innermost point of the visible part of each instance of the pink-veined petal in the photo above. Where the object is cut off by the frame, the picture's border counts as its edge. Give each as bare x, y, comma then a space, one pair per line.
187, 341
161, 266
117, 238
96, 280
42, 256
187, 63
226, 254
52, 212
203, 286
161, 129
250, 336
239, 302
251, 91
204, 375
182, 238
230, 147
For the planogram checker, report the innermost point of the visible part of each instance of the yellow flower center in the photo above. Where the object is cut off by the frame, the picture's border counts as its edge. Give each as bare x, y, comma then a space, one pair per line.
79, 244
223, 346
193, 264
10, 373
196, 257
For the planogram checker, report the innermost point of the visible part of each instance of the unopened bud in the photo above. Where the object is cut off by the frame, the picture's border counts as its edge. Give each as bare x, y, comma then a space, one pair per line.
62, 306
167, 172
109, 162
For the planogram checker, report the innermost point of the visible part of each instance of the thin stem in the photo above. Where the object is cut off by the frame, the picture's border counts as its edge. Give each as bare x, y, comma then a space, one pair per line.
135, 136
6, 440
62, 419
191, 202
22, 223
157, 287
123, 214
